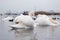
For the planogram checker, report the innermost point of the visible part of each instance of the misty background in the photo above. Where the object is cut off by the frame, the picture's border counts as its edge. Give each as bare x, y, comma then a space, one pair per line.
16, 6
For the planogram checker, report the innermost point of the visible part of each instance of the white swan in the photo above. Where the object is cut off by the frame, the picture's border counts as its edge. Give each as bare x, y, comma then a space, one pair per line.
23, 21
45, 20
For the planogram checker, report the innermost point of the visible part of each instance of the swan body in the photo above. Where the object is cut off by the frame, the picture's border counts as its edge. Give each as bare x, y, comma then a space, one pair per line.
23, 21
45, 20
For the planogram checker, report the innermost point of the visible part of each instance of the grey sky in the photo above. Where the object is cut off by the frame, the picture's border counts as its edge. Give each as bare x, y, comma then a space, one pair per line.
21, 5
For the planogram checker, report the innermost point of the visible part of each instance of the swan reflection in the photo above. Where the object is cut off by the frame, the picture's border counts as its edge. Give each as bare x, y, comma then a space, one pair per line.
24, 34
45, 33
38, 33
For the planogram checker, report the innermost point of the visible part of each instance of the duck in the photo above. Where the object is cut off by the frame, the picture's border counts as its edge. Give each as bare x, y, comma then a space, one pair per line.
10, 19
45, 20
24, 21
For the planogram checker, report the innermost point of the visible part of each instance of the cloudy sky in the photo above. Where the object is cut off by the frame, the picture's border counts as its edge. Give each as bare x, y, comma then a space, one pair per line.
21, 5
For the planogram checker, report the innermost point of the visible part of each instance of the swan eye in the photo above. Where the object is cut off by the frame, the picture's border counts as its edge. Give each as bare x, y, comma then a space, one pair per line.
16, 22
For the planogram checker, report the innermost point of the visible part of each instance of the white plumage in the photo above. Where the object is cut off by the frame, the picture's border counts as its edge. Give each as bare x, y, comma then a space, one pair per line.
23, 21
45, 20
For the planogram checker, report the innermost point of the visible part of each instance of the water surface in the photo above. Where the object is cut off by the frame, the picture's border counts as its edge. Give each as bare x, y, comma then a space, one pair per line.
38, 33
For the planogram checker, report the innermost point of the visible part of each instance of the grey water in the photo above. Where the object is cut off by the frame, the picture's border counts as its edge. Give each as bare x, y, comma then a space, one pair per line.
38, 33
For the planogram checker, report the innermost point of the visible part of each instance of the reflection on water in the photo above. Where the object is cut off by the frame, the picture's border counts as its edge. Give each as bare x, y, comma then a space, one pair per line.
38, 33
24, 34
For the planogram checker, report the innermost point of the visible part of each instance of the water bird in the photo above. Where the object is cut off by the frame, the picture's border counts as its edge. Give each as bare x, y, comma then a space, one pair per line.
45, 20
8, 19
24, 21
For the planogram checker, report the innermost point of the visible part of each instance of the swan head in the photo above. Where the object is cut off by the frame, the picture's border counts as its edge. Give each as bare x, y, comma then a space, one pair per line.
17, 19
16, 22
32, 14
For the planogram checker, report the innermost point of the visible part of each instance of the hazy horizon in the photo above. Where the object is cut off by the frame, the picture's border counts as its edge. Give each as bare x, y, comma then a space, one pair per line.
26, 5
